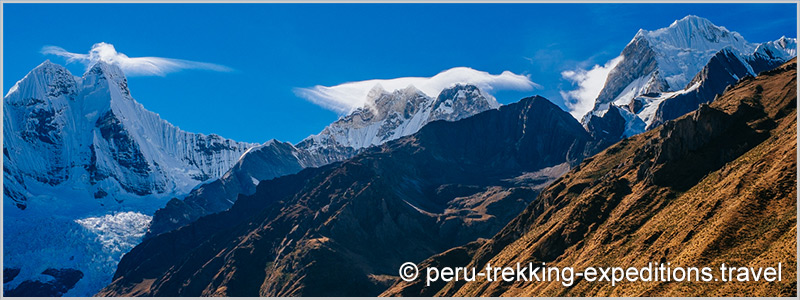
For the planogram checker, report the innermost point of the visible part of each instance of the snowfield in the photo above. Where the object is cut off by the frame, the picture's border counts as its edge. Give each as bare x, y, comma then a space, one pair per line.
84, 168
78, 234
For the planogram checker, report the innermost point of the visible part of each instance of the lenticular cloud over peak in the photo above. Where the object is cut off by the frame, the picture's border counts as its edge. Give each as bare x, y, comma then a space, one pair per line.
348, 96
132, 66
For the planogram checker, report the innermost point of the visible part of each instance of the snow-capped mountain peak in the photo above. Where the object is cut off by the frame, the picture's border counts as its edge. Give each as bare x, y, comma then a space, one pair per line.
391, 115
696, 33
45, 79
789, 44
674, 62
783, 49
684, 47
81, 148
388, 115
89, 131
404, 100
106, 70
375, 92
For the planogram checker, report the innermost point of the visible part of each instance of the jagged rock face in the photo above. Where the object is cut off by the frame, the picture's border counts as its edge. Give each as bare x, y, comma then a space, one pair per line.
345, 228
391, 115
89, 131
386, 117
651, 84
609, 127
714, 186
665, 60
35, 124
687, 44
268, 161
723, 70
638, 63
82, 147
459, 102
782, 49
133, 170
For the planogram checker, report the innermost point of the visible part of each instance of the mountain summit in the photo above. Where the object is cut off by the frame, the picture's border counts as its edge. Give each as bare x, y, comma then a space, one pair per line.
661, 65
686, 46
387, 116
84, 153
84, 165
715, 186
89, 132
345, 228
390, 115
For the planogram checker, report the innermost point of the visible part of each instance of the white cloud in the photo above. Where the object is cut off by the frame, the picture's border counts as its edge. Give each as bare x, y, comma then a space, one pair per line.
348, 96
590, 82
132, 66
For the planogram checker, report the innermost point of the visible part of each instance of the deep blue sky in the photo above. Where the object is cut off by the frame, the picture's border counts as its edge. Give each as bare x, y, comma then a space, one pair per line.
277, 47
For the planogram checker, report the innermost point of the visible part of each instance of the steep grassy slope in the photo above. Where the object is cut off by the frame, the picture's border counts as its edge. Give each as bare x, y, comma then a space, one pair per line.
718, 185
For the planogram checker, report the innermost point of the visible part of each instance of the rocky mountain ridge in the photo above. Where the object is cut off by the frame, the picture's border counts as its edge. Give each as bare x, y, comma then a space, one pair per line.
81, 149
344, 229
662, 73
717, 185
386, 116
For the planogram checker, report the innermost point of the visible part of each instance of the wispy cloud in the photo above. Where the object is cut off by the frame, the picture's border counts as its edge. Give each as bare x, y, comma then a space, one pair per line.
132, 66
348, 96
589, 84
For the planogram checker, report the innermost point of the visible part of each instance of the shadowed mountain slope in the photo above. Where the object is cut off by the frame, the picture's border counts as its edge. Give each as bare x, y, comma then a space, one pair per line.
345, 229
717, 185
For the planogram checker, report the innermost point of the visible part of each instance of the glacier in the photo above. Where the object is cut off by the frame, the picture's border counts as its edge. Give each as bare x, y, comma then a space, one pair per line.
89, 172
84, 168
87, 168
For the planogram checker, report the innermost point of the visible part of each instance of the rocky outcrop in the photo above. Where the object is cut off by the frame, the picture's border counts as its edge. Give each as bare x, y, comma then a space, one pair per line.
717, 185
724, 69
387, 116
609, 128
62, 281
639, 61
665, 73
344, 229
